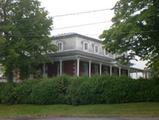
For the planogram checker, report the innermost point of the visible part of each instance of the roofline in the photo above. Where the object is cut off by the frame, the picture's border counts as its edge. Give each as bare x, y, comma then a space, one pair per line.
139, 70
79, 52
62, 36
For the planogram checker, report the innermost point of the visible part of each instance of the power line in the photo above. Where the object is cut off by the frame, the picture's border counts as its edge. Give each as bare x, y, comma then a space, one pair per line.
83, 12
74, 26
81, 25
68, 14
28, 35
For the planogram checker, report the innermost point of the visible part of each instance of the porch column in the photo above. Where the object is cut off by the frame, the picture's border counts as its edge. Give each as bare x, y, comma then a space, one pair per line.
146, 74
100, 69
90, 68
61, 67
136, 74
143, 74
78, 65
44, 70
128, 72
110, 70
119, 71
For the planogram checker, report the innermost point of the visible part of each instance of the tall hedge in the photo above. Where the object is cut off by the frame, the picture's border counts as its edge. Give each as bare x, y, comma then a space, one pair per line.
80, 90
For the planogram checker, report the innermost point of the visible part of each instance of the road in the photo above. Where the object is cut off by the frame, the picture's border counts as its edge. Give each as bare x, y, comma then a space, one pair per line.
87, 118
108, 118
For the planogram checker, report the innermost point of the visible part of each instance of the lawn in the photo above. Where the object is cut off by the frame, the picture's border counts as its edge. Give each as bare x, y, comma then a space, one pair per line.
129, 109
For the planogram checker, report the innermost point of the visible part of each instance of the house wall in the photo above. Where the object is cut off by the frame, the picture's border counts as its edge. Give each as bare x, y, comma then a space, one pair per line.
124, 72
68, 43
80, 41
53, 69
69, 67
94, 69
115, 71
105, 70
76, 43
84, 68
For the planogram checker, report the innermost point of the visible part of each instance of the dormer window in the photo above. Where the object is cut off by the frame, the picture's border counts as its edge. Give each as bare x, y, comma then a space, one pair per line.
93, 47
85, 46
96, 49
106, 52
60, 46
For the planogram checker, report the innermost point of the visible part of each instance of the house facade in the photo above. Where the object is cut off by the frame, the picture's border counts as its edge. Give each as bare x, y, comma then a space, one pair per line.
80, 55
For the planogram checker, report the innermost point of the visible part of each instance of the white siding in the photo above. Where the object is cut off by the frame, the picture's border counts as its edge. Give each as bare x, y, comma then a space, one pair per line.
80, 41
76, 43
68, 43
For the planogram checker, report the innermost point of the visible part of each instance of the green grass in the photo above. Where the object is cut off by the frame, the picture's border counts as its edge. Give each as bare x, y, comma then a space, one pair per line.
129, 109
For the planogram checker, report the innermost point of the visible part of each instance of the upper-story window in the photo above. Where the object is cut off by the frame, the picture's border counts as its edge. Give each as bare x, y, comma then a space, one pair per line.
60, 46
93, 47
85, 46
96, 49
105, 52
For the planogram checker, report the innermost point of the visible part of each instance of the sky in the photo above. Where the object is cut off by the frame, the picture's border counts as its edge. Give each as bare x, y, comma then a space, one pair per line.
102, 18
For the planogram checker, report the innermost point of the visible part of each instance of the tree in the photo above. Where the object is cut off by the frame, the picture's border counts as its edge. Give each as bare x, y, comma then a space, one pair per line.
24, 36
135, 29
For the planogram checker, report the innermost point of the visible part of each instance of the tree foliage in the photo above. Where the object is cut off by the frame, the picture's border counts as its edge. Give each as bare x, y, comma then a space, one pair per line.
24, 35
135, 29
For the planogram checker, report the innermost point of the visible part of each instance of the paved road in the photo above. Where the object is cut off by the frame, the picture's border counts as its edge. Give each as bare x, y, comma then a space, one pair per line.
83, 118
109, 118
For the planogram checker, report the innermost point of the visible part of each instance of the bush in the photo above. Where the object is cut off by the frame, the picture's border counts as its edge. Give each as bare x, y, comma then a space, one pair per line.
50, 91
80, 90
23, 91
7, 93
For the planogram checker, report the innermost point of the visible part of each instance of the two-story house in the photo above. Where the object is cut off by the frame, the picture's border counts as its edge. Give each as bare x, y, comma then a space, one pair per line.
81, 55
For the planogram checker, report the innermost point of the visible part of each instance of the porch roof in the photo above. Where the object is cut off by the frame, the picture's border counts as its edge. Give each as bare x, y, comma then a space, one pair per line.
85, 56
134, 70
60, 55
68, 35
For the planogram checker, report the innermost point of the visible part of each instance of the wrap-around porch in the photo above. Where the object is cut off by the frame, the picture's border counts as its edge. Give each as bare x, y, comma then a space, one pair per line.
83, 67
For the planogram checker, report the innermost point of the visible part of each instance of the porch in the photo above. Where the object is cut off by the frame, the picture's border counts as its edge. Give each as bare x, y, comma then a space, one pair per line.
83, 67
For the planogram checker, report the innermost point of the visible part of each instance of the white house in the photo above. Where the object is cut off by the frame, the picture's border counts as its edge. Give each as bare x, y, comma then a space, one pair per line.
82, 55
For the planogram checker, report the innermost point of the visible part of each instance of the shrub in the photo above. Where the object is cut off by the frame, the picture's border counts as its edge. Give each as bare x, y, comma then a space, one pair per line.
23, 91
73, 96
7, 93
80, 90
50, 91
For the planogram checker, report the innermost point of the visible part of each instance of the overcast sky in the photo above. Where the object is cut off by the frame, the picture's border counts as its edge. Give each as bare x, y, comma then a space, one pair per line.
60, 7
57, 7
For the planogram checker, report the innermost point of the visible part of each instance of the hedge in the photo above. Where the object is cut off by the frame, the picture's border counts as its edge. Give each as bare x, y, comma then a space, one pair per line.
80, 90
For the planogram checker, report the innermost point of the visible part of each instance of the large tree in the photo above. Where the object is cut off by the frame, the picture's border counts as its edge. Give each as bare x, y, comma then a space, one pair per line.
135, 29
24, 36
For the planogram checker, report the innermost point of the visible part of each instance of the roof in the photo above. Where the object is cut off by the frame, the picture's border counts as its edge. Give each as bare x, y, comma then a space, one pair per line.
94, 57
133, 70
82, 53
68, 35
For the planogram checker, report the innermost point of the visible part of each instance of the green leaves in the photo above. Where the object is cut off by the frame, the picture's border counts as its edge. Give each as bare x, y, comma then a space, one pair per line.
135, 29
25, 28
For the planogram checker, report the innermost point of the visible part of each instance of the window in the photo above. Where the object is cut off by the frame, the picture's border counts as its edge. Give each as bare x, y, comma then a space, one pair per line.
85, 46
105, 52
60, 46
93, 47
96, 49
